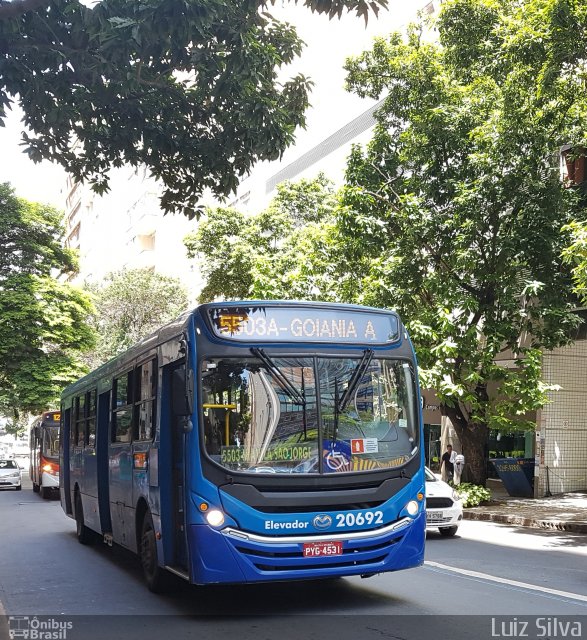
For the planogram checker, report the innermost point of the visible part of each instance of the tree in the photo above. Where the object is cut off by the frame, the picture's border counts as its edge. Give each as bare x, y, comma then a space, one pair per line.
188, 88
454, 213
129, 305
43, 325
264, 256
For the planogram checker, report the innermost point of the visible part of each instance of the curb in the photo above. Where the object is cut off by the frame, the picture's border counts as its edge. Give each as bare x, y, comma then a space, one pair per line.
521, 521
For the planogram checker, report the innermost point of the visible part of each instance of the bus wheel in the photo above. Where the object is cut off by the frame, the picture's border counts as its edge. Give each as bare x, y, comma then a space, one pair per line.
36, 488
84, 535
155, 576
45, 493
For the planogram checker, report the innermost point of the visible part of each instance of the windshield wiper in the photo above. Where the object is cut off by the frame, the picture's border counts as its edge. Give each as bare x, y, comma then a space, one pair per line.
356, 377
284, 383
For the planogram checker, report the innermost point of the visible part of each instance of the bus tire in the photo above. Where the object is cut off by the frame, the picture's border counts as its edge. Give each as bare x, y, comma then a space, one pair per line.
45, 493
36, 488
155, 576
84, 535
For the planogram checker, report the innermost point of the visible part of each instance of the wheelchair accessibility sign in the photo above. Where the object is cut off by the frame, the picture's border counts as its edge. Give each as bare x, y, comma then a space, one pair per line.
337, 456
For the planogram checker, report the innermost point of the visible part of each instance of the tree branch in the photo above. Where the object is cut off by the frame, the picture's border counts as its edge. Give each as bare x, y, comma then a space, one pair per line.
18, 7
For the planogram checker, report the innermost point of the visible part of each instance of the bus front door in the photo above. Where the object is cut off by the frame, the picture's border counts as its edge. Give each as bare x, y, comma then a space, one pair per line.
102, 438
178, 441
172, 466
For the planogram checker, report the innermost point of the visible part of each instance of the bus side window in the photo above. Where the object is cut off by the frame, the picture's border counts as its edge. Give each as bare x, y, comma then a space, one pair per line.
122, 410
91, 422
79, 439
145, 394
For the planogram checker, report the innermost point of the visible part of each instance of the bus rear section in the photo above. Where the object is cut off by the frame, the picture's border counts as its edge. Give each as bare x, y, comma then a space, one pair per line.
44, 454
253, 442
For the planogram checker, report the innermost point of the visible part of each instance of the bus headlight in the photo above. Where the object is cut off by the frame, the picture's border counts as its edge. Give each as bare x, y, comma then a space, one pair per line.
412, 508
215, 518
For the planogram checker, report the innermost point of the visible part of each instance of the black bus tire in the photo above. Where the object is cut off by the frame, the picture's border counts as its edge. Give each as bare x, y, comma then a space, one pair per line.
84, 535
36, 488
156, 577
45, 493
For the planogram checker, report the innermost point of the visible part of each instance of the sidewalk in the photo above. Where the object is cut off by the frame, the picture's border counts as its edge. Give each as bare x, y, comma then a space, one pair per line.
563, 512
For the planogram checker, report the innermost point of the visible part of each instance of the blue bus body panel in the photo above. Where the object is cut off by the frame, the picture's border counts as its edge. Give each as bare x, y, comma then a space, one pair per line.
249, 519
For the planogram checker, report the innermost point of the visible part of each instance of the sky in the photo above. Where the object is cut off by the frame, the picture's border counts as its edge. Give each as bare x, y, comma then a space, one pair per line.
44, 182
36, 182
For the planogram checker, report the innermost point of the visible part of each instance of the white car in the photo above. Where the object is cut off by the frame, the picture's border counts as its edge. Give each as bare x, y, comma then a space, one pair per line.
9, 474
444, 507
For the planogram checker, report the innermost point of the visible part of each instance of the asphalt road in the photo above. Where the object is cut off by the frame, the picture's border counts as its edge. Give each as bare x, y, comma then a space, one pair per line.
469, 587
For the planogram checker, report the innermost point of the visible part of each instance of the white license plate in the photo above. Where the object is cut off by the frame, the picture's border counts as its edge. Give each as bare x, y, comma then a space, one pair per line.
316, 549
434, 517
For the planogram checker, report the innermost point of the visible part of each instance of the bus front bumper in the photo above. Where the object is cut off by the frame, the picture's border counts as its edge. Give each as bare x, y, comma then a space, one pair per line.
233, 556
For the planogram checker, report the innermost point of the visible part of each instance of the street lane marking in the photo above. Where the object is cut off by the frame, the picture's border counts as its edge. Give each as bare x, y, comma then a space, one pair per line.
511, 583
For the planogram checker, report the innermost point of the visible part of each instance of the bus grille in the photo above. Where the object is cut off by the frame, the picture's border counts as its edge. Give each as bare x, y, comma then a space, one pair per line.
289, 557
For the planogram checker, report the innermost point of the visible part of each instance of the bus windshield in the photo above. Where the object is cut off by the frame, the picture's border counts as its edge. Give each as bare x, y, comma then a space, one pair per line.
301, 415
51, 442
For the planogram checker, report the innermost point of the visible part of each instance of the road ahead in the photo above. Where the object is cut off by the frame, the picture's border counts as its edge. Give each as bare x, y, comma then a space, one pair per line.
486, 570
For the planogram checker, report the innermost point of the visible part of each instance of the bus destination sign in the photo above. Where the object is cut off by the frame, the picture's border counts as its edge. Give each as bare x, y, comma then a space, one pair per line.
304, 324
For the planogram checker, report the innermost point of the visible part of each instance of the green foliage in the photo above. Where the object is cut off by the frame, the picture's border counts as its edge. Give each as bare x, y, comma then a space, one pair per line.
129, 305
455, 212
43, 325
188, 88
473, 495
280, 253
576, 256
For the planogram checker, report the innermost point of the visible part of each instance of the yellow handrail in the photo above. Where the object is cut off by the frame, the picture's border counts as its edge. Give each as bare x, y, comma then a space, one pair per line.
228, 407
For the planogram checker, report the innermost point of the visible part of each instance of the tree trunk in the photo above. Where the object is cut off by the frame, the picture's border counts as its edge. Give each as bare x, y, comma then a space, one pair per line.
473, 438
474, 442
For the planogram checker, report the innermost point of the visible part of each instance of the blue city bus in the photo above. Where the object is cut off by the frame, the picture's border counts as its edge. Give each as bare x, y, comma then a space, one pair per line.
253, 441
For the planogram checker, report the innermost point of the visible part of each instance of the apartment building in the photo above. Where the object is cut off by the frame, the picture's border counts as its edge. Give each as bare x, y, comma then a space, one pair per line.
125, 228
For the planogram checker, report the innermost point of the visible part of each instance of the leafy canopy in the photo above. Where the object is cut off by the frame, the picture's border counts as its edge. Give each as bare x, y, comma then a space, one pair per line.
129, 305
264, 255
454, 213
188, 88
43, 325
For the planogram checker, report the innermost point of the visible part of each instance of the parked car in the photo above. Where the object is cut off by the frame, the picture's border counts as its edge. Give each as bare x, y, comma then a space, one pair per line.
10, 474
444, 507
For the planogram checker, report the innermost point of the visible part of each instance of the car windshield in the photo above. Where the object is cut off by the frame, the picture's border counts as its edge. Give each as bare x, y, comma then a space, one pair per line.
309, 415
430, 477
8, 464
